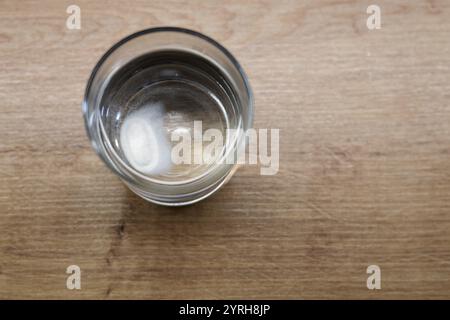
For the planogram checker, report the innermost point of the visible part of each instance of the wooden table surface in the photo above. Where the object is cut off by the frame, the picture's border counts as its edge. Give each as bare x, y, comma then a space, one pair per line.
364, 177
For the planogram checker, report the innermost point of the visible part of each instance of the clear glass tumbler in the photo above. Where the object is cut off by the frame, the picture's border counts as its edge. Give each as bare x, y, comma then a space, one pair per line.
160, 83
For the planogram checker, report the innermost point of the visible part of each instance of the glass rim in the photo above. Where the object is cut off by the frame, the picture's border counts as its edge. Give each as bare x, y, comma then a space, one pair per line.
143, 32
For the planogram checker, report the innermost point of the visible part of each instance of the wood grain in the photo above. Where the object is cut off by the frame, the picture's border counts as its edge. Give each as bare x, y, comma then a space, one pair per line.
364, 176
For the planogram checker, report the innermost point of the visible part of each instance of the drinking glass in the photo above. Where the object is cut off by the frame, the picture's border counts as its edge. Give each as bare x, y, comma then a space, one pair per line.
156, 84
